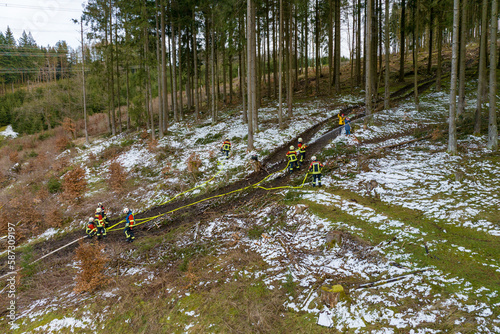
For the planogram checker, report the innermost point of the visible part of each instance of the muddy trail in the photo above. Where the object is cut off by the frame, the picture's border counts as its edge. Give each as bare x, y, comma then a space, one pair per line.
209, 209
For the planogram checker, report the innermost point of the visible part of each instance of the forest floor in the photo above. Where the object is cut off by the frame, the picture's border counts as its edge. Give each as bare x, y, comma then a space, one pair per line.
255, 260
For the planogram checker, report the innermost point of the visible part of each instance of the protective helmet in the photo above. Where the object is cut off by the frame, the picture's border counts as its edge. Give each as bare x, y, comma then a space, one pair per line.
99, 204
125, 210
292, 148
227, 138
98, 210
300, 140
313, 157
91, 219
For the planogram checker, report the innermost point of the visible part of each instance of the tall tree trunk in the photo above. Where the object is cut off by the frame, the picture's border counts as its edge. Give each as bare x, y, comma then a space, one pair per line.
368, 56
83, 86
242, 53
268, 50
164, 70
330, 25
280, 69
440, 57
290, 59
250, 68
415, 55
181, 100
255, 78
431, 30
158, 66
452, 133
337, 47
174, 74
461, 67
224, 90
188, 71
112, 83
118, 81
306, 55
492, 124
230, 56
207, 63
195, 81
275, 47
387, 55
358, 46
128, 93
212, 67
318, 65
481, 87
402, 42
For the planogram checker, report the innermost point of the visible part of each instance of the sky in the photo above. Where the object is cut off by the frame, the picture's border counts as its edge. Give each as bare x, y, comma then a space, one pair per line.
49, 21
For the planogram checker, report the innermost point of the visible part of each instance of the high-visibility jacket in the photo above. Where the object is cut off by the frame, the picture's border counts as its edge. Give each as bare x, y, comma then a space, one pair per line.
341, 119
91, 228
99, 220
292, 156
226, 146
302, 148
130, 219
316, 167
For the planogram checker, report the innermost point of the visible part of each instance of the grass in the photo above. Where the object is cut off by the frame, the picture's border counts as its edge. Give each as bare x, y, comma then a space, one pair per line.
443, 257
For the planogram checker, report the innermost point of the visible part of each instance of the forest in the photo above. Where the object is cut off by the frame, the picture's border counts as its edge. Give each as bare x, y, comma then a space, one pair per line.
202, 55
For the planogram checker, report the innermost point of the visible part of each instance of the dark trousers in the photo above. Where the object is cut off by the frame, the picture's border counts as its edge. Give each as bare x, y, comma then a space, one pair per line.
292, 165
317, 179
129, 234
101, 231
226, 153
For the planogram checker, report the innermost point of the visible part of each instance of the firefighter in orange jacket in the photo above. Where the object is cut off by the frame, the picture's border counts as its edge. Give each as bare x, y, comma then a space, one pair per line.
315, 167
226, 147
99, 222
104, 216
129, 224
292, 159
91, 230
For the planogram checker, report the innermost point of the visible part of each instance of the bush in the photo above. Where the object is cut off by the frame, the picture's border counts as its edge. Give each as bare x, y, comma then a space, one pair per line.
31, 154
92, 261
62, 143
74, 184
117, 176
193, 163
54, 185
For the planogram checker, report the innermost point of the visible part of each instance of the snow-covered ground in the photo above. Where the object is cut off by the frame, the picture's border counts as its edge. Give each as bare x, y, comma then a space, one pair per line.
8, 132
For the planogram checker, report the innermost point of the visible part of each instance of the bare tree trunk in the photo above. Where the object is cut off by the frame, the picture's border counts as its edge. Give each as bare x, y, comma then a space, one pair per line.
164, 71
255, 82
83, 86
306, 22
415, 55
112, 83
330, 44
431, 30
440, 57
461, 67
492, 124
337, 47
224, 90
268, 50
118, 81
387, 55
482, 69
174, 74
452, 138
230, 56
358, 47
158, 65
318, 65
250, 67
368, 56
212, 67
402, 42
280, 69
181, 101
195, 82
290, 58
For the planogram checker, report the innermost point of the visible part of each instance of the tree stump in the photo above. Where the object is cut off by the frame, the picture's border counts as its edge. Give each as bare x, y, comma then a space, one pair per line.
333, 238
330, 295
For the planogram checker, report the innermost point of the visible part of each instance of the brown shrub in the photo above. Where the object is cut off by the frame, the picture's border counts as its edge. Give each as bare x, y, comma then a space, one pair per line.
111, 152
69, 127
193, 163
60, 164
117, 176
144, 134
167, 170
74, 184
152, 146
92, 263
54, 218
14, 156
62, 142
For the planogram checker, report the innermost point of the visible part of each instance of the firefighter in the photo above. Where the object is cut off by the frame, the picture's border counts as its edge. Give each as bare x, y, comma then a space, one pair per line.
129, 224
301, 151
91, 230
226, 147
99, 222
292, 159
341, 119
315, 167
104, 216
